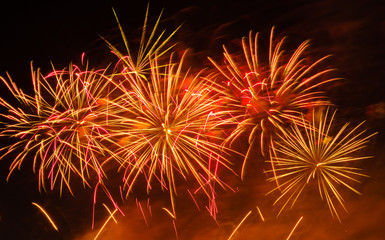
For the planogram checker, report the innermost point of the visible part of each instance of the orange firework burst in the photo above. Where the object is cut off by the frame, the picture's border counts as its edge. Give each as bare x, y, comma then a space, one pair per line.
163, 129
62, 124
317, 153
265, 97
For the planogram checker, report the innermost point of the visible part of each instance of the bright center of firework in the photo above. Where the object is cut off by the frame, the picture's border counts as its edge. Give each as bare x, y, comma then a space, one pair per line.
319, 164
166, 129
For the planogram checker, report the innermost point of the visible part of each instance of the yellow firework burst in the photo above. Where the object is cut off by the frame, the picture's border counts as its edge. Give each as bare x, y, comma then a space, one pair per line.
151, 45
266, 95
60, 126
317, 153
164, 127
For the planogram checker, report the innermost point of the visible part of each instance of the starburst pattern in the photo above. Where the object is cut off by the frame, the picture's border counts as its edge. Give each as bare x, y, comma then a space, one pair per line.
317, 153
264, 96
61, 125
164, 124
156, 44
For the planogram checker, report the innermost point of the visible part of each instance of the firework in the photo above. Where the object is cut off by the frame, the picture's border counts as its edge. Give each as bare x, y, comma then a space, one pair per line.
61, 125
317, 153
162, 126
156, 44
265, 95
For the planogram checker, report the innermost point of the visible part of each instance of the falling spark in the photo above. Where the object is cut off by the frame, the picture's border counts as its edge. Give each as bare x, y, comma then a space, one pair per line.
236, 229
291, 233
193, 198
169, 212
108, 219
46, 214
260, 214
175, 229
141, 210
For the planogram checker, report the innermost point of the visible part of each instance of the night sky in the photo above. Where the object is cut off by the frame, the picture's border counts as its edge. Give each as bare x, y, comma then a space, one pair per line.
58, 33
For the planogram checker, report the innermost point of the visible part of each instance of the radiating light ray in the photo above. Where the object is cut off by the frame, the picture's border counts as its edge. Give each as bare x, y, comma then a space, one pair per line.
265, 96
153, 45
317, 153
47, 216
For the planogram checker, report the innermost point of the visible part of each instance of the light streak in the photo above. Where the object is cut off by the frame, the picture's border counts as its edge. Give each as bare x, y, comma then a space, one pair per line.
296, 225
46, 214
141, 211
193, 198
236, 229
169, 212
260, 214
175, 229
108, 219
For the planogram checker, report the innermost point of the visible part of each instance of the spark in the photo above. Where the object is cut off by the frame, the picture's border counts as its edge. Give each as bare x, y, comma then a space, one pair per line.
108, 219
236, 229
141, 210
302, 155
95, 200
46, 214
296, 225
260, 214
169, 212
193, 198
175, 229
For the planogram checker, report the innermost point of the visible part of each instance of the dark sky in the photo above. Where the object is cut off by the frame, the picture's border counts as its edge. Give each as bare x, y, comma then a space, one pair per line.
42, 33
352, 31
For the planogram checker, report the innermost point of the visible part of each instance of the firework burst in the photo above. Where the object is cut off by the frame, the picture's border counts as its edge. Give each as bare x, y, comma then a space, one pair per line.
164, 125
265, 95
317, 153
61, 125
155, 44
